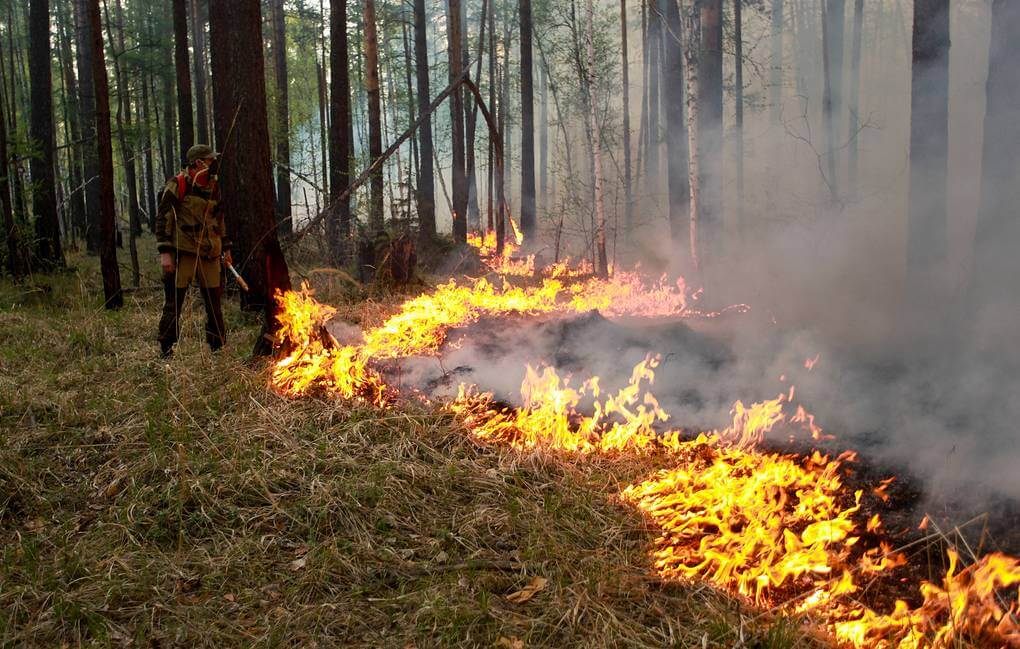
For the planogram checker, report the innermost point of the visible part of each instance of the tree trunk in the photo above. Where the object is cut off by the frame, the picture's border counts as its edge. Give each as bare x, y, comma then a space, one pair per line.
654, 76
602, 267
168, 76
776, 63
471, 118
833, 12
710, 130
692, 31
543, 147
90, 152
186, 120
738, 98
126, 150
929, 151
528, 127
323, 65
375, 207
493, 82
75, 147
426, 180
198, 20
996, 263
44, 194
15, 261
239, 88
460, 190
853, 100
150, 170
627, 190
338, 226
114, 298
279, 46
676, 144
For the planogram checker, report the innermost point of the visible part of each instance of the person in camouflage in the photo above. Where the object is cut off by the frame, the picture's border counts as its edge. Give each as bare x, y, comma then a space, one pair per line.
191, 236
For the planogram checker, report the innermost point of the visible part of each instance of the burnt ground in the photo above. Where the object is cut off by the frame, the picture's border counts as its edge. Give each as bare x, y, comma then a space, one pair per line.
704, 368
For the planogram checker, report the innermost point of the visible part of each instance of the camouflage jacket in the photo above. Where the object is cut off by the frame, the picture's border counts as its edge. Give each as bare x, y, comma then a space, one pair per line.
193, 223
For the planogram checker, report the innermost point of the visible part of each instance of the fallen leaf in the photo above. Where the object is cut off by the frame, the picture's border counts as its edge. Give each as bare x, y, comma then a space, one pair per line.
534, 586
229, 597
510, 643
298, 564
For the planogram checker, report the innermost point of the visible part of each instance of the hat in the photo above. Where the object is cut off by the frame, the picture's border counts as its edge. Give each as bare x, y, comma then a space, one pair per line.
200, 152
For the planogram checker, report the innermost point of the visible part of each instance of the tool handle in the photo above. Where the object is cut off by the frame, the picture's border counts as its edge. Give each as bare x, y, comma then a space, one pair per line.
240, 280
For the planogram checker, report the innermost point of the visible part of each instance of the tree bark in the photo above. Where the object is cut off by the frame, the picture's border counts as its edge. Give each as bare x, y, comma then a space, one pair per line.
279, 46
171, 162
150, 170
738, 98
186, 121
75, 147
692, 31
527, 214
493, 82
627, 189
87, 101
114, 298
126, 150
710, 130
426, 180
853, 100
676, 143
15, 261
654, 76
198, 20
602, 267
375, 207
44, 194
239, 89
341, 138
460, 189
929, 150
833, 19
471, 118
996, 263
776, 63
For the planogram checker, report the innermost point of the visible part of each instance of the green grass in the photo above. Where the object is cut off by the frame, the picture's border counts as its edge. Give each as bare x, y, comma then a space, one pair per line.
145, 503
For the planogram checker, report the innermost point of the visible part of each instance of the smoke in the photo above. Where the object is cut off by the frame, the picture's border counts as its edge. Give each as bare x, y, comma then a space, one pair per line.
926, 383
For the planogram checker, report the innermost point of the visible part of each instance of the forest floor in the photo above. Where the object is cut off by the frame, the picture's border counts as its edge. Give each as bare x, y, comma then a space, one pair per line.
184, 503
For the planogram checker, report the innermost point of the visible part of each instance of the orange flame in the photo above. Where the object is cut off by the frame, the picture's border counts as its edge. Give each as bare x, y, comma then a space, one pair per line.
767, 526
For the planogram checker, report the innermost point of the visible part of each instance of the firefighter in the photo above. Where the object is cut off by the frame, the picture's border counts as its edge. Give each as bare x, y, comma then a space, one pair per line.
191, 237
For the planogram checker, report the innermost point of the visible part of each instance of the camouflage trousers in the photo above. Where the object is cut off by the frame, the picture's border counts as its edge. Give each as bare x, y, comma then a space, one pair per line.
175, 291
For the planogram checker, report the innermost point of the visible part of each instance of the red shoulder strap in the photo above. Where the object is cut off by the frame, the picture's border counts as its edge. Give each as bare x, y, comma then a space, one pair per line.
182, 186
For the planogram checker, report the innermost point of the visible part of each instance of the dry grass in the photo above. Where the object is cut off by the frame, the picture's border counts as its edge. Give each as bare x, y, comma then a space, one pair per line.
185, 504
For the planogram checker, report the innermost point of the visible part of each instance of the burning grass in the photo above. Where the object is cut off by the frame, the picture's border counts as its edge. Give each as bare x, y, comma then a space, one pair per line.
189, 505
776, 529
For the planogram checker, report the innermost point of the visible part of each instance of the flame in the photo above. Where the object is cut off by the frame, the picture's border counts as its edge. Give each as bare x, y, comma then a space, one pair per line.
780, 530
